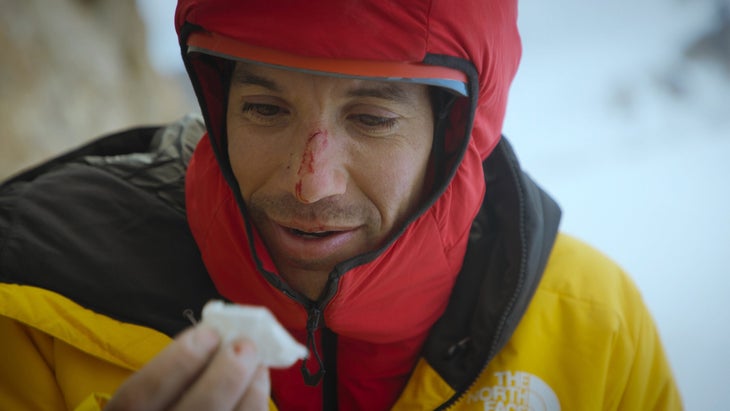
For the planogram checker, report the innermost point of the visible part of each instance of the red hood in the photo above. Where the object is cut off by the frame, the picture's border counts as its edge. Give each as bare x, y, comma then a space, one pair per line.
481, 33
397, 293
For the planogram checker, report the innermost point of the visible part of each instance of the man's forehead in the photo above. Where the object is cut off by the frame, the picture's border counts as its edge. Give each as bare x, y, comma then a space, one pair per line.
276, 80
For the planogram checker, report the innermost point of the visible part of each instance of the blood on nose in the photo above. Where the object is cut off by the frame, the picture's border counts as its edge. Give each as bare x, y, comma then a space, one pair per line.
313, 148
316, 143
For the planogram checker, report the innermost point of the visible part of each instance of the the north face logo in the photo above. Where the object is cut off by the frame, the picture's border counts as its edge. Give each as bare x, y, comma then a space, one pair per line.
516, 391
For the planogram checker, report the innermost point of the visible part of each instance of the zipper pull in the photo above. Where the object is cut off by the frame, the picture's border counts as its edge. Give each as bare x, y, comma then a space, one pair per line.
314, 316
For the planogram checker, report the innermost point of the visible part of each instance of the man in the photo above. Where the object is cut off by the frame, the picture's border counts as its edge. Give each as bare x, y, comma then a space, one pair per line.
352, 179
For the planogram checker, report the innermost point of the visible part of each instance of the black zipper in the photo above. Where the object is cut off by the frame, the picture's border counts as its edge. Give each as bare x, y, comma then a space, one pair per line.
329, 385
491, 354
314, 317
326, 357
326, 373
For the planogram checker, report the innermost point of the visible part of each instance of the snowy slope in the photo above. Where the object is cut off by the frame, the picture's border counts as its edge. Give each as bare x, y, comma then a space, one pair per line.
634, 142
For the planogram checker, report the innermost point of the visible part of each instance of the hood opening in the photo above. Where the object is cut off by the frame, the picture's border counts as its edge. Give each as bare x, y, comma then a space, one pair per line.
210, 58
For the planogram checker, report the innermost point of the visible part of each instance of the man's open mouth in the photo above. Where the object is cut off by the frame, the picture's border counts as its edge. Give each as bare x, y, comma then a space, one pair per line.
308, 234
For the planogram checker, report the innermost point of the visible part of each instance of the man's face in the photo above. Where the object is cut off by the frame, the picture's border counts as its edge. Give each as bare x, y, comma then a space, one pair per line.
328, 167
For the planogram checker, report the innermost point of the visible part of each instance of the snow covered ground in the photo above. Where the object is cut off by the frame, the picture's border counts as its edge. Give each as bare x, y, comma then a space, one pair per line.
635, 145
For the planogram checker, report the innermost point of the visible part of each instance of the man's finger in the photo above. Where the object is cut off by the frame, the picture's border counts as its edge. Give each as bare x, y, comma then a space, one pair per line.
164, 379
226, 379
258, 394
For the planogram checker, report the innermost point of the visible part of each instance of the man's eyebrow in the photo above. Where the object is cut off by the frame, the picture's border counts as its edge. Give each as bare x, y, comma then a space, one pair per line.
243, 78
386, 91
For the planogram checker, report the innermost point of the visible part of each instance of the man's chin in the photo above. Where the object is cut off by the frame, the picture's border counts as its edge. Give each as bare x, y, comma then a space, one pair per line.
306, 277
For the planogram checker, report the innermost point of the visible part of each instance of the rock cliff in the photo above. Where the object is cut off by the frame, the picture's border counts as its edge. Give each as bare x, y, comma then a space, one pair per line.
71, 70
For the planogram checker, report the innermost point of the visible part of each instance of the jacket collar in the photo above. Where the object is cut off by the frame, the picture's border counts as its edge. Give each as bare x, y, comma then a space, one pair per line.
510, 242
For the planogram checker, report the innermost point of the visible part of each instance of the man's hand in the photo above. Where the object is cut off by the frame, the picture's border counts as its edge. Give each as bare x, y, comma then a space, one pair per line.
197, 372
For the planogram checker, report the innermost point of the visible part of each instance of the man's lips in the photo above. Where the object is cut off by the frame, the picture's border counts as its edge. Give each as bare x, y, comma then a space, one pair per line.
318, 231
301, 242
313, 234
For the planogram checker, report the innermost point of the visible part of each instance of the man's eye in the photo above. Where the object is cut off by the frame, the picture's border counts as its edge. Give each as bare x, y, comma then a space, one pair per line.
375, 122
265, 110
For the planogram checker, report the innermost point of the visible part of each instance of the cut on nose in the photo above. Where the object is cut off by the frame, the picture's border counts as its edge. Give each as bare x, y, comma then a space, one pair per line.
319, 174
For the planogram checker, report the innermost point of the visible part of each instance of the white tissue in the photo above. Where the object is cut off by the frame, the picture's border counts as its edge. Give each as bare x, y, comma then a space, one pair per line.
275, 347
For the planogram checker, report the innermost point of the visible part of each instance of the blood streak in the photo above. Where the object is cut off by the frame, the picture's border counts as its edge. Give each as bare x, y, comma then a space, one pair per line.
298, 189
314, 146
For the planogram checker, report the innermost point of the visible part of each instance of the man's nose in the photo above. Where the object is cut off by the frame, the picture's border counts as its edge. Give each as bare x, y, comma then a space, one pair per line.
320, 172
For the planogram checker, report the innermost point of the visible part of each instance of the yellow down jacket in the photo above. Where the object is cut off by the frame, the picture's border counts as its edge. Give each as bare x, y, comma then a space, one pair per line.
586, 342
550, 323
